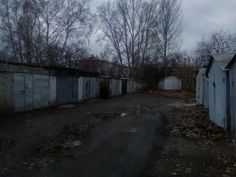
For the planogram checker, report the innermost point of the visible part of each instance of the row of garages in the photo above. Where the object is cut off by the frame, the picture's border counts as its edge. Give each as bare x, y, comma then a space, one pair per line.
29, 90
216, 90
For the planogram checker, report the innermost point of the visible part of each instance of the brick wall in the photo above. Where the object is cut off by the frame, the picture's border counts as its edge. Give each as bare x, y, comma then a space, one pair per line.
6, 104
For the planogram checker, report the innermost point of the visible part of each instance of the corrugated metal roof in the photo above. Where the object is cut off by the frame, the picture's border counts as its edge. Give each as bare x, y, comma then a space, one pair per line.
223, 59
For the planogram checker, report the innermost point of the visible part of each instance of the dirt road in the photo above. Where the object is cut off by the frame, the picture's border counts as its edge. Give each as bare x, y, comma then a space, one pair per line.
119, 142
119, 137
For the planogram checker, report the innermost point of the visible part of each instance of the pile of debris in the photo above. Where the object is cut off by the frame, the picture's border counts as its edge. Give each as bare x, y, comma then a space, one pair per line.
195, 123
69, 137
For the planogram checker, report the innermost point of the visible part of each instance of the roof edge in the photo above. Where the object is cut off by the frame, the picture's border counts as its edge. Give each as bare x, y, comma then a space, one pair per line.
230, 64
209, 65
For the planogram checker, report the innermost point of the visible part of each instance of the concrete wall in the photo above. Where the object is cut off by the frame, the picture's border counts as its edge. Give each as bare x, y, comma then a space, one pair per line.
217, 95
6, 104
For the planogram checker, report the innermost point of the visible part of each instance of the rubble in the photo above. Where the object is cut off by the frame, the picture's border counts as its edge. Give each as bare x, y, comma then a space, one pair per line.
195, 123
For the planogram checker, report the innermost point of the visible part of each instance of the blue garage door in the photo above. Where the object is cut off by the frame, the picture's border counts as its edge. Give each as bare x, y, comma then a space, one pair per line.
30, 91
41, 89
67, 90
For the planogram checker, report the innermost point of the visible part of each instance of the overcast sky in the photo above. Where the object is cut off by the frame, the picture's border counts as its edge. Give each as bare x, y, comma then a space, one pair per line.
200, 17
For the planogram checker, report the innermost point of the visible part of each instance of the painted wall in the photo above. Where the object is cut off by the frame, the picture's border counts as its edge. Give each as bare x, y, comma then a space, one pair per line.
202, 89
205, 92
217, 95
199, 88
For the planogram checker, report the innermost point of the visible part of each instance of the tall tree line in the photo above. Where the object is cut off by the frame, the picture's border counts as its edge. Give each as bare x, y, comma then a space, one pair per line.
44, 31
135, 32
141, 31
217, 42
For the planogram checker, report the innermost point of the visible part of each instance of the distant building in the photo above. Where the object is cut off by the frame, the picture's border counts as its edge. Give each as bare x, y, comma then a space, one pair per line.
103, 67
170, 83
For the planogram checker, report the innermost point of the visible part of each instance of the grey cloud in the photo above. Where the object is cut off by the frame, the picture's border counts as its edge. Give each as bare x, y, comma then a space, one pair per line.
200, 17
203, 16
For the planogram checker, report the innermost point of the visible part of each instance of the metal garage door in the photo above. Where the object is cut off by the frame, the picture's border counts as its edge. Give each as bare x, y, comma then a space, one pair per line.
105, 88
124, 87
30, 91
41, 89
67, 90
87, 88
22, 92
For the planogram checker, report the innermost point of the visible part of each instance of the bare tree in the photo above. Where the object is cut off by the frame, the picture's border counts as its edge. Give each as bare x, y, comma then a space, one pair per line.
45, 31
109, 25
147, 19
218, 42
168, 27
77, 23
9, 13
127, 25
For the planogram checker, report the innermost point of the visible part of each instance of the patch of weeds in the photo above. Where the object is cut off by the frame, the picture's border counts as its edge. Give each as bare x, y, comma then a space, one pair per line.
6, 145
70, 133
